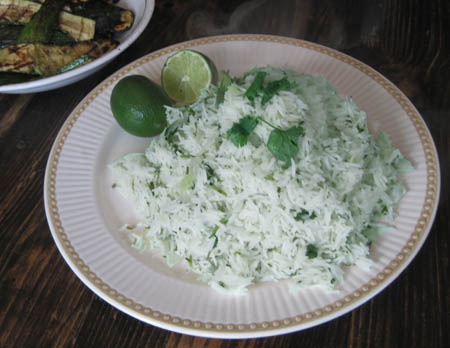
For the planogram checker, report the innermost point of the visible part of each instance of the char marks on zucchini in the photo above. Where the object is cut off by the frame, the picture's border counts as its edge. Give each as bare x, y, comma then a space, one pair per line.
47, 60
46, 37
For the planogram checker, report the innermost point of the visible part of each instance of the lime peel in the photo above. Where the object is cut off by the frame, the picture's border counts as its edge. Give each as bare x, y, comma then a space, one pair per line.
138, 105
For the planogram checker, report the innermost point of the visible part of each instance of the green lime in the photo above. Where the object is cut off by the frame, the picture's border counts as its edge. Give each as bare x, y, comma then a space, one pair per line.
185, 74
138, 105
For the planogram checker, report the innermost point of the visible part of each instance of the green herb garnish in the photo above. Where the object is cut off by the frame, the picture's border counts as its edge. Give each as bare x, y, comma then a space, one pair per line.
257, 86
171, 130
210, 174
238, 134
214, 231
283, 144
218, 189
274, 87
224, 84
304, 215
311, 251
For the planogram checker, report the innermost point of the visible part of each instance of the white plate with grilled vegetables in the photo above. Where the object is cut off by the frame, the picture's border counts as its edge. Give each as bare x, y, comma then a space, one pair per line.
54, 53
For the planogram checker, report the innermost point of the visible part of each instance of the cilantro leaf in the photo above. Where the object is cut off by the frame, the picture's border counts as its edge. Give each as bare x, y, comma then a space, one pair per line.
304, 215
213, 234
210, 174
284, 144
274, 87
171, 130
171, 133
300, 216
238, 134
224, 84
311, 251
257, 85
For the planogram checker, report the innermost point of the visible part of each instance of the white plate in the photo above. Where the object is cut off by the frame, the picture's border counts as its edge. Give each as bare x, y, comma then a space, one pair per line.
143, 10
85, 213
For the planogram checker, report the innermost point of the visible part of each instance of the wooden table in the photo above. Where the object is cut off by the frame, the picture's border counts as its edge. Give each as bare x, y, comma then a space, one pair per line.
43, 303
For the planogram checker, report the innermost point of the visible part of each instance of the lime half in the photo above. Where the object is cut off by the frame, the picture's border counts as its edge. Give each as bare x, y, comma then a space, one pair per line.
185, 74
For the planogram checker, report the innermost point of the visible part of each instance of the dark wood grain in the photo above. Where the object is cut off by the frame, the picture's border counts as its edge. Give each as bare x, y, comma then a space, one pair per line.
42, 302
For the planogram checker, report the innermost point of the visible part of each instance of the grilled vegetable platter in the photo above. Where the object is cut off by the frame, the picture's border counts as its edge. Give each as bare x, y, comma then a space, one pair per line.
42, 38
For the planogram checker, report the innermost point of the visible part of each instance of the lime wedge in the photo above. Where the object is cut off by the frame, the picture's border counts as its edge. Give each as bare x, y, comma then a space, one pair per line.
185, 74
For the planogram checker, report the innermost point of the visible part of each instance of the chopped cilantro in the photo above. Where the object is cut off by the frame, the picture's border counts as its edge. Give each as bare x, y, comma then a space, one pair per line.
257, 86
284, 144
300, 216
303, 215
214, 231
219, 189
274, 87
222, 207
311, 251
171, 130
210, 174
238, 134
221, 90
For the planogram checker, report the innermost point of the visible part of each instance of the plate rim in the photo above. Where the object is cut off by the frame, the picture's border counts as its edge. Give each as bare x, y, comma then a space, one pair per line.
260, 329
53, 81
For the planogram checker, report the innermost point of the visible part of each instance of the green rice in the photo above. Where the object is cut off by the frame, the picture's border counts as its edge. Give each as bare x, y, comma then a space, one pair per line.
236, 216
